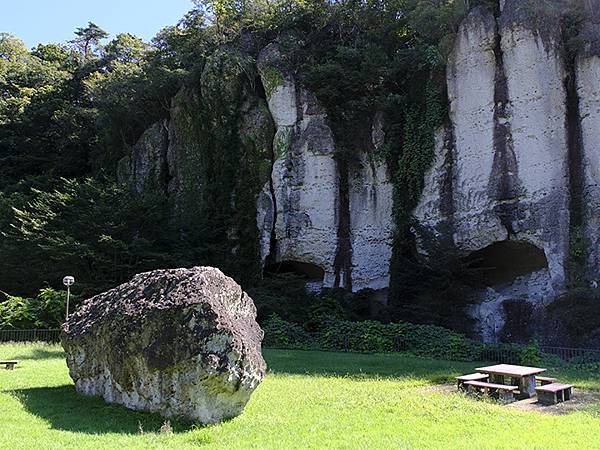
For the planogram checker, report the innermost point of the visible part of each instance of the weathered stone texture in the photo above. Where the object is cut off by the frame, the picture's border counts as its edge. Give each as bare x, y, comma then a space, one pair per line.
471, 82
501, 169
181, 342
371, 222
435, 211
304, 173
535, 75
305, 181
587, 66
145, 169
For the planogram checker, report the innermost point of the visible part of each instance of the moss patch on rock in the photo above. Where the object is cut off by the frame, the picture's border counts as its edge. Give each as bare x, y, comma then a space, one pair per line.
272, 78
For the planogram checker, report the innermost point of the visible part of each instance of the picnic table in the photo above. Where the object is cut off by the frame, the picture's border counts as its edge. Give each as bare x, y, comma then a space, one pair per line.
521, 376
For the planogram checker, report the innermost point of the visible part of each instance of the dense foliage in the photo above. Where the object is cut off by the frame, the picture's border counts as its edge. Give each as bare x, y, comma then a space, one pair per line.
95, 229
371, 336
46, 311
69, 112
419, 340
576, 315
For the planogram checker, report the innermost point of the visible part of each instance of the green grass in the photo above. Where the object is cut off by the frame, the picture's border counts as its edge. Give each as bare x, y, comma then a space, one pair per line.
308, 400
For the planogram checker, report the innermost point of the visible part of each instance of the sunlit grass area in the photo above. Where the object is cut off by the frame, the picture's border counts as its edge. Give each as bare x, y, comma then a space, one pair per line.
308, 400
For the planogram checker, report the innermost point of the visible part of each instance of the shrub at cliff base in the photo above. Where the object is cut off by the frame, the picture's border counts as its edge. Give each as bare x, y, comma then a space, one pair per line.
372, 336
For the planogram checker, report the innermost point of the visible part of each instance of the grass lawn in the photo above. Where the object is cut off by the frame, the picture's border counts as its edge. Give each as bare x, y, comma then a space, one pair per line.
308, 400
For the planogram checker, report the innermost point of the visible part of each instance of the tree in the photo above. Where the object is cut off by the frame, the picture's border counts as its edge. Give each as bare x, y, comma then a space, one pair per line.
88, 40
125, 48
97, 230
11, 47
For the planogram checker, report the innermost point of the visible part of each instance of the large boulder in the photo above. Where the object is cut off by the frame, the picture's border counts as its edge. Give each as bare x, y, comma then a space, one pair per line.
180, 342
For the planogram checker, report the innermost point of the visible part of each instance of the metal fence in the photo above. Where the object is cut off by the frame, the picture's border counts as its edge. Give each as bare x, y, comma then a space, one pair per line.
512, 354
573, 355
30, 335
500, 353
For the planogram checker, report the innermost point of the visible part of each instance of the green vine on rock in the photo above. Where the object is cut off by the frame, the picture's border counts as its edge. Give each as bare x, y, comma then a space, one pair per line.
421, 119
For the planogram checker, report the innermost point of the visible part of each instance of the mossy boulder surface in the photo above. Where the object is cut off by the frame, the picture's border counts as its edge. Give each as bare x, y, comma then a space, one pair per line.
180, 342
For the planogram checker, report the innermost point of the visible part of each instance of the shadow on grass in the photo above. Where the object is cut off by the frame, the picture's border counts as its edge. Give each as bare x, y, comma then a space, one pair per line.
365, 366
39, 353
65, 409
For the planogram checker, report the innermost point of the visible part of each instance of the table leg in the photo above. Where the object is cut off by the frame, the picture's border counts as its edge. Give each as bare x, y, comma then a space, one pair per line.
527, 386
496, 378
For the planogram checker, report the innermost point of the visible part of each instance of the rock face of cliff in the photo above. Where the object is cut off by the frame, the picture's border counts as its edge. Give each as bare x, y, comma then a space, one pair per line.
587, 76
335, 229
512, 190
307, 215
515, 158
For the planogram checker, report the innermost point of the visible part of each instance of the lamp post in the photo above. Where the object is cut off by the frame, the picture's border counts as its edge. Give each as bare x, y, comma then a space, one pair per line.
68, 281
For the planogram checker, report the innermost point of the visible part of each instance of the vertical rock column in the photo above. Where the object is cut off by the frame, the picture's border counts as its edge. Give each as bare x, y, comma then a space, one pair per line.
588, 89
304, 175
535, 74
471, 84
435, 210
146, 168
371, 222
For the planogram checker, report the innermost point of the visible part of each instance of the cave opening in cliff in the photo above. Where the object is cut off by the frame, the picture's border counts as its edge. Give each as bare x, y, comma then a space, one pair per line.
503, 262
311, 272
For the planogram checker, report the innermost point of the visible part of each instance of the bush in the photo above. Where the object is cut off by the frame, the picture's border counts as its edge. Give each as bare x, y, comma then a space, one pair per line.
282, 334
283, 295
45, 311
371, 336
577, 314
368, 336
531, 355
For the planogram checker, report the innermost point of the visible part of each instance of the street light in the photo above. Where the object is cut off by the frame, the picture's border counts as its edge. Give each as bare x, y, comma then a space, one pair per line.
68, 281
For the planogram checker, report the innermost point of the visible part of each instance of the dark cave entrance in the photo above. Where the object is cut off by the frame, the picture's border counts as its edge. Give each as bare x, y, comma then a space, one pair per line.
503, 262
311, 272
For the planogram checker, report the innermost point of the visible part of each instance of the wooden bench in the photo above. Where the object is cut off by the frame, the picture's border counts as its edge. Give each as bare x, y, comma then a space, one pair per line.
553, 393
505, 392
471, 377
10, 365
545, 380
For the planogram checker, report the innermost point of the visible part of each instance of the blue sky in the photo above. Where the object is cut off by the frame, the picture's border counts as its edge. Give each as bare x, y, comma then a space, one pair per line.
37, 21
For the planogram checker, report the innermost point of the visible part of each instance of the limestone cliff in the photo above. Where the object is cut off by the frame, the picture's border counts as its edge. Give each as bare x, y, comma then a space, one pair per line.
514, 158
587, 75
512, 190
305, 198
337, 233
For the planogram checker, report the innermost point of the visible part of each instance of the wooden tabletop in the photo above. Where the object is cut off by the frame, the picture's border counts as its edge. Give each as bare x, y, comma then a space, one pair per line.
510, 370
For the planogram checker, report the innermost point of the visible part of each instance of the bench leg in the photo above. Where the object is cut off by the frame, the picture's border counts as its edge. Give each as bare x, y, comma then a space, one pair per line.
10, 366
475, 392
496, 379
506, 396
471, 390
568, 393
547, 398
